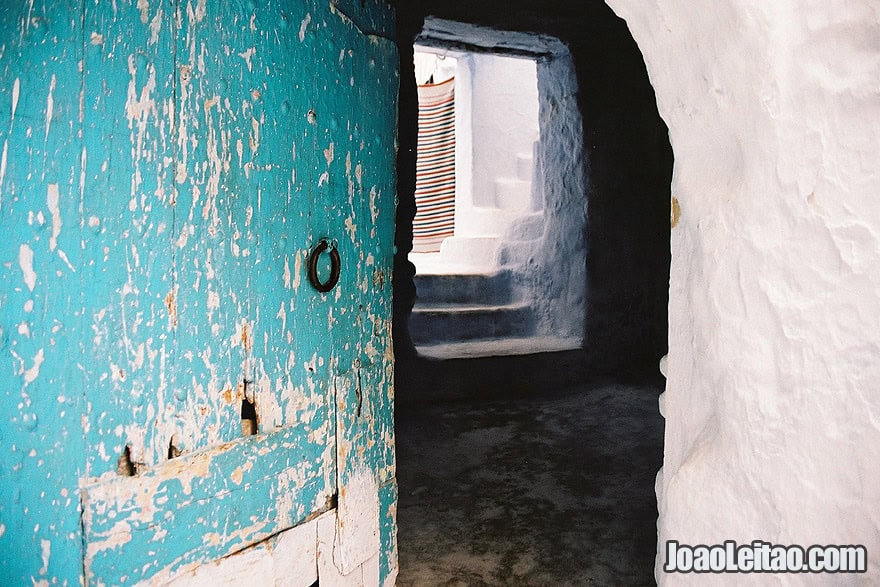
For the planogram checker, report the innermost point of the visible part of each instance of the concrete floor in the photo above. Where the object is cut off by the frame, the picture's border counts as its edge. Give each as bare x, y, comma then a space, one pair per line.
552, 486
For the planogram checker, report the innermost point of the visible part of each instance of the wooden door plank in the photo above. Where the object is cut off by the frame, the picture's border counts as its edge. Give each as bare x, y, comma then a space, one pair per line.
200, 507
41, 262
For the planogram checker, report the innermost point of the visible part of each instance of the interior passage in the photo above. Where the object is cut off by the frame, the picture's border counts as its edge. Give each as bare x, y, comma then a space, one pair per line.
554, 486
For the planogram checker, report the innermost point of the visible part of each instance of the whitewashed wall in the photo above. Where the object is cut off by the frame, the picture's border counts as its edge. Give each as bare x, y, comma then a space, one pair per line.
773, 394
496, 118
505, 119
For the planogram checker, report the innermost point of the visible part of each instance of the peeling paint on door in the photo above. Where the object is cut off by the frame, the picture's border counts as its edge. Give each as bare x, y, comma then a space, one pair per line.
167, 169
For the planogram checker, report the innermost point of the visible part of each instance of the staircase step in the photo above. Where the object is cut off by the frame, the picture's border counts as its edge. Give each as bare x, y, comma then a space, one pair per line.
438, 309
526, 228
513, 194
498, 347
472, 253
490, 288
455, 323
518, 253
489, 221
525, 166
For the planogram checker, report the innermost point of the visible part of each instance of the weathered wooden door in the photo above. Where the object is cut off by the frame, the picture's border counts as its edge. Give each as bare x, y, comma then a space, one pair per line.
180, 390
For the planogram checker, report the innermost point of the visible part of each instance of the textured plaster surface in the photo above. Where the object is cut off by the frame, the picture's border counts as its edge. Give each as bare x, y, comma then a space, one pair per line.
772, 411
555, 270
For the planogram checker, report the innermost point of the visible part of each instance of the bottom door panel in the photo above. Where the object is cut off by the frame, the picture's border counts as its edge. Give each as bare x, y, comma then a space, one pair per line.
203, 506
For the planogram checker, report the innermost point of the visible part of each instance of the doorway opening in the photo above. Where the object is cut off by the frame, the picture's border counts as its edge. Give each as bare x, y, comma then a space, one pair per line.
511, 467
499, 195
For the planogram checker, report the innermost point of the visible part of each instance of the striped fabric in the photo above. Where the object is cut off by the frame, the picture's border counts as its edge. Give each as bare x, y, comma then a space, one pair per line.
435, 167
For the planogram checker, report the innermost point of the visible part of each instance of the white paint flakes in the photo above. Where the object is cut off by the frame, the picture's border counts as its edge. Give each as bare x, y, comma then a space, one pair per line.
297, 271
26, 262
282, 314
289, 559
213, 302
16, 91
96, 39
45, 553
247, 57
144, 7
31, 374
180, 175
52, 204
374, 208
3, 166
328, 154
351, 229
357, 522
16, 88
156, 27
117, 536
371, 351
201, 10
63, 256
304, 26
209, 265
50, 106
182, 238
254, 139
286, 272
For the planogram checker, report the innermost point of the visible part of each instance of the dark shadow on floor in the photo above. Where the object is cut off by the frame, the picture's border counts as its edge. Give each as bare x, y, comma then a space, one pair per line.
510, 474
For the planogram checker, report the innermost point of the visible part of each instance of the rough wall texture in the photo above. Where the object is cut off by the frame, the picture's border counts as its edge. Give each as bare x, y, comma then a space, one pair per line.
627, 188
166, 170
558, 286
773, 416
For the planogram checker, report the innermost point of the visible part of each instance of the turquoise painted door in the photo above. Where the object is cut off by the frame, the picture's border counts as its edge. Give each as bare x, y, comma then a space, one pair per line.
178, 390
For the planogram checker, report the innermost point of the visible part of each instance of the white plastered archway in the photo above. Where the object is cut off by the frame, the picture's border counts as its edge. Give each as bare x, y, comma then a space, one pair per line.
772, 402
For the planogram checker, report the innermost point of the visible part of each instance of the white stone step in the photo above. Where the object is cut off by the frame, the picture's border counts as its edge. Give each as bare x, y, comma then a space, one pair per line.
490, 221
525, 166
499, 347
443, 323
465, 289
459, 255
513, 194
518, 253
470, 253
526, 228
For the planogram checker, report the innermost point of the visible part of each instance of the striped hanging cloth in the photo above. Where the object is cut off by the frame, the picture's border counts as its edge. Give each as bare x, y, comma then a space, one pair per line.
435, 167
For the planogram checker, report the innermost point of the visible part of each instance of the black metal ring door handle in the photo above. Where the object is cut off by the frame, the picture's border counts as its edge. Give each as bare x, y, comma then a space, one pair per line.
325, 286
